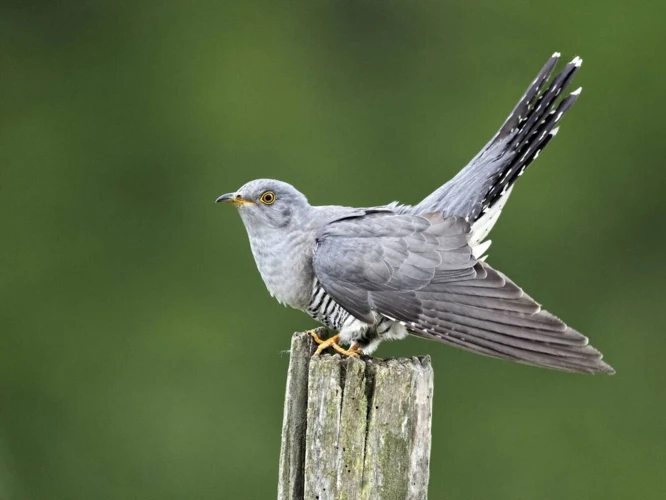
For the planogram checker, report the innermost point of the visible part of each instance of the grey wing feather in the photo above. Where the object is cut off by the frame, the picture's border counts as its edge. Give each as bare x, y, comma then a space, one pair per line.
420, 270
492, 172
379, 252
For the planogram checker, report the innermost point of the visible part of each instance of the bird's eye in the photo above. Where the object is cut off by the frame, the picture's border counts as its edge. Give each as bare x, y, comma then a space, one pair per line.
267, 198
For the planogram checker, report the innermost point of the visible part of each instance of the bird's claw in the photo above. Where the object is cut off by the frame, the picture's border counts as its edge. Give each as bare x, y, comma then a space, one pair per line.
352, 352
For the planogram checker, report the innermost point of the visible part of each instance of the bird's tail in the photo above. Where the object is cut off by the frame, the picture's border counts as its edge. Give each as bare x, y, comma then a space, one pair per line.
490, 175
531, 126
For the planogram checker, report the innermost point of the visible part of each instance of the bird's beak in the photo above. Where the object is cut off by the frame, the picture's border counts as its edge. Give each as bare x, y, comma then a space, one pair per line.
226, 198
233, 198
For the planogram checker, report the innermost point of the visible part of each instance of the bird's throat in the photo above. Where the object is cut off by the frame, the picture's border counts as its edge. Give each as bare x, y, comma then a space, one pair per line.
284, 260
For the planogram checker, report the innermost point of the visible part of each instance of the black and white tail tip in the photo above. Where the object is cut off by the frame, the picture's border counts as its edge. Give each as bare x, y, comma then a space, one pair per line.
532, 124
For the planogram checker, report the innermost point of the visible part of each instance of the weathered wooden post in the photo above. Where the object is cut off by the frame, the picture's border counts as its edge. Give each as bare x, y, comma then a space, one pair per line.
355, 429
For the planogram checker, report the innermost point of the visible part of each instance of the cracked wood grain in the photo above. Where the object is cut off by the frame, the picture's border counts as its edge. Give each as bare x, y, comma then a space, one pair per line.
355, 428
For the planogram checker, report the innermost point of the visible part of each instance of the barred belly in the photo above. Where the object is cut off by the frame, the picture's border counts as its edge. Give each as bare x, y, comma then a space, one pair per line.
327, 311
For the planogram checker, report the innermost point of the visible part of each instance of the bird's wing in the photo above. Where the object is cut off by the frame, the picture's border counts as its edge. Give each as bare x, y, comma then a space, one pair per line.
420, 270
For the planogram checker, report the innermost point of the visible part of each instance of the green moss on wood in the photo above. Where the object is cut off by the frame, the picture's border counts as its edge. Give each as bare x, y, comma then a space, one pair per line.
367, 430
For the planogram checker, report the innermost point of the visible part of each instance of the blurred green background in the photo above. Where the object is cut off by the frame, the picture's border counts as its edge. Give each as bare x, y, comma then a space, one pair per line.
140, 354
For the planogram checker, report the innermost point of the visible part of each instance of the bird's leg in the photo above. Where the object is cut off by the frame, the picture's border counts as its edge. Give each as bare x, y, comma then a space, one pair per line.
313, 334
353, 351
324, 344
356, 349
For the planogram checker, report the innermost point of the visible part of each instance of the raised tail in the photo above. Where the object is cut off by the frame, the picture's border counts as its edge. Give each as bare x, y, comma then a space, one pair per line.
487, 180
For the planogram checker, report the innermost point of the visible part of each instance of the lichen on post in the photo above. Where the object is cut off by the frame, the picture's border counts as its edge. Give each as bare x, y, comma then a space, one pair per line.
355, 428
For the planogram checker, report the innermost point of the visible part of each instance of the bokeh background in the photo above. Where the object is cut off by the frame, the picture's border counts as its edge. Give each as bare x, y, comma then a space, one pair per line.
140, 354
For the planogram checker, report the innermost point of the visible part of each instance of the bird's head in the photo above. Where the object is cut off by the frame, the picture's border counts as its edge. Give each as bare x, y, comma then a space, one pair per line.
267, 202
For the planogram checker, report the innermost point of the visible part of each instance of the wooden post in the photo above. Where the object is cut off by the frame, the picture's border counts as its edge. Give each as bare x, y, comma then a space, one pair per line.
355, 429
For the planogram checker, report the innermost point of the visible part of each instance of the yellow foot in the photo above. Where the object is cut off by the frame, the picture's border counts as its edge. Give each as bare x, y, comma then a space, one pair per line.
353, 351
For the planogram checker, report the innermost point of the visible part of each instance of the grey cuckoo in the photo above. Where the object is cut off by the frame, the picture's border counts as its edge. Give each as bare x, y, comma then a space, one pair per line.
379, 273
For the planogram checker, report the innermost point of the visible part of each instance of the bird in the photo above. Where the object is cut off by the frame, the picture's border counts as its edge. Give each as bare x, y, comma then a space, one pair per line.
385, 272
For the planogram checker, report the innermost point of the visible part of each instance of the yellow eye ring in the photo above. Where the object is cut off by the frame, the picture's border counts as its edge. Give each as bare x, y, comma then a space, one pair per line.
268, 198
